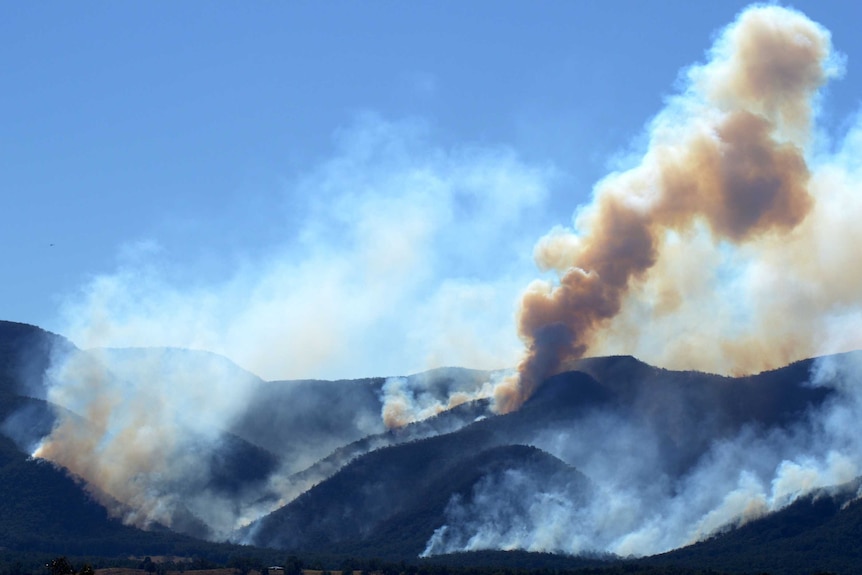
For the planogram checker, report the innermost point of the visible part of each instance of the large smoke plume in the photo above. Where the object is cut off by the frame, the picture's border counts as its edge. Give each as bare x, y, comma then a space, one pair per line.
727, 171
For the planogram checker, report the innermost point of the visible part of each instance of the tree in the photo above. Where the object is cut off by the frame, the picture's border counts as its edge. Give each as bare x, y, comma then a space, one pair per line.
243, 564
293, 566
348, 566
60, 566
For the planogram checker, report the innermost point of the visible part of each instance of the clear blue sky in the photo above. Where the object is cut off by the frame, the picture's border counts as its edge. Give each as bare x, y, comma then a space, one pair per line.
201, 145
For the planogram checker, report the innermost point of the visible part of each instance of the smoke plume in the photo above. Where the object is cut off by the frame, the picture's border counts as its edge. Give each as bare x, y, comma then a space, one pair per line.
728, 170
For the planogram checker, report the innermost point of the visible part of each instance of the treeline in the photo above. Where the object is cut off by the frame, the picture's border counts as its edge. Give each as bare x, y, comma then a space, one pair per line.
263, 564
257, 561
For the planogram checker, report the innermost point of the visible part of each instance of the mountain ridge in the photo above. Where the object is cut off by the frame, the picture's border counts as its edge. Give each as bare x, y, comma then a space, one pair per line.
446, 464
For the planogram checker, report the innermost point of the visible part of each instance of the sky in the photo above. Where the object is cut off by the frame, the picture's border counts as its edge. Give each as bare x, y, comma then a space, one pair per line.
317, 189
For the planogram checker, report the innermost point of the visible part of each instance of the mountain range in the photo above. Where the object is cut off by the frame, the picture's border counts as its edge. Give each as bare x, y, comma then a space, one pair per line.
611, 460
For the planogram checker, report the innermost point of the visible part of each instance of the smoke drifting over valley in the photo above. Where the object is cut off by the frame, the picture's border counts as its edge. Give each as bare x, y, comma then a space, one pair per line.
728, 245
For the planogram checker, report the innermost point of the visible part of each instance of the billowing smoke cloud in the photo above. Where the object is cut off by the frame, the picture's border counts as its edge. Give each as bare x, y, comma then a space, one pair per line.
727, 174
638, 505
396, 256
403, 256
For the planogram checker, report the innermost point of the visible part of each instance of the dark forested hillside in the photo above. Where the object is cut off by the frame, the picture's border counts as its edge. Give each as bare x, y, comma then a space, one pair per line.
25, 354
43, 509
821, 532
463, 479
404, 493
392, 499
304, 421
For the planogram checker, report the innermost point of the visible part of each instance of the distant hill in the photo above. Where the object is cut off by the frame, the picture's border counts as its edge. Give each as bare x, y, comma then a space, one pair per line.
405, 491
392, 499
302, 421
25, 354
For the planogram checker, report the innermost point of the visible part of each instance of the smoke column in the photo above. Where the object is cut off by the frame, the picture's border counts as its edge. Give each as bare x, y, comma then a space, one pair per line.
726, 160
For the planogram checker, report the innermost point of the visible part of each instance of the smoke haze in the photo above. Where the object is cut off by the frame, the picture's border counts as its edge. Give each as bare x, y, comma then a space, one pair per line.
142, 429
391, 244
640, 503
729, 245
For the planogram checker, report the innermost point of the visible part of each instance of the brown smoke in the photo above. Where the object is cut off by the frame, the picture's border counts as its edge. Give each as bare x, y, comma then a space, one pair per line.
728, 156
140, 427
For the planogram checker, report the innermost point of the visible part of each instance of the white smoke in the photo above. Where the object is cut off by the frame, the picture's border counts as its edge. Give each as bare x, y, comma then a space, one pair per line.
637, 507
398, 255
409, 399
142, 427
